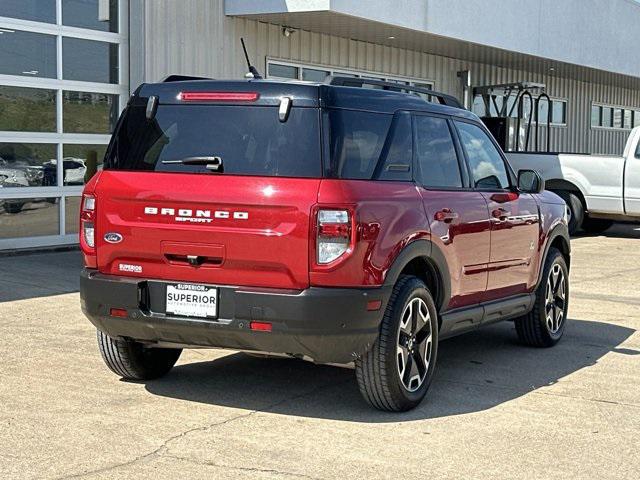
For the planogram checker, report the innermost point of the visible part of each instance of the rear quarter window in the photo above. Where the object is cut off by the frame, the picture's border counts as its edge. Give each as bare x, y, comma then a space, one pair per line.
355, 140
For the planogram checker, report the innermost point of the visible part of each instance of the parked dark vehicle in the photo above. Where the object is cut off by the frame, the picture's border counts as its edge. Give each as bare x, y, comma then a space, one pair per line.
323, 221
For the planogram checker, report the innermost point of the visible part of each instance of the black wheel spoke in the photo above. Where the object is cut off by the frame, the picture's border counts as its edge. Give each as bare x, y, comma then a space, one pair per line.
423, 334
421, 366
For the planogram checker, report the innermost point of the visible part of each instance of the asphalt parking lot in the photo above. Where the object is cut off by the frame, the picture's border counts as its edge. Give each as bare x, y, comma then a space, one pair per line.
495, 410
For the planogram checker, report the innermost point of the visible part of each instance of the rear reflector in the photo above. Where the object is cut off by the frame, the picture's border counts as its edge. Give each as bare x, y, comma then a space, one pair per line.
118, 312
374, 305
260, 326
218, 96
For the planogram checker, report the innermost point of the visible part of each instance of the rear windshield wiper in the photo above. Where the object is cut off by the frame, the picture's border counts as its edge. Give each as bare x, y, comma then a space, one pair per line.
211, 163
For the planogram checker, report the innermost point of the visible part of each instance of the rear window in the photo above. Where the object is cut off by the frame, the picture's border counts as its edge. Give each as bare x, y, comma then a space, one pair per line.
249, 140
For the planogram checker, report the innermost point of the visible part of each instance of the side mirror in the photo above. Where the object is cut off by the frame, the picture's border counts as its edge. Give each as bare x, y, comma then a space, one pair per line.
530, 181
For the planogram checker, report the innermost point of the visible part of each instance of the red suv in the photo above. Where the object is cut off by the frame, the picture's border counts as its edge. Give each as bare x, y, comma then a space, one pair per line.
327, 221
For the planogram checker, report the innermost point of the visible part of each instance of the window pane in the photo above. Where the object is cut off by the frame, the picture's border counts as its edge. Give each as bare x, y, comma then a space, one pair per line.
398, 159
428, 86
487, 167
89, 61
527, 109
512, 108
27, 54
596, 116
636, 118
607, 116
27, 109
81, 162
29, 217
84, 112
28, 165
543, 112
558, 113
311, 75
283, 71
71, 214
495, 106
356, 141
617, 118
84, 14
249, 140
34, 10
437, 161
628, 119
479, 106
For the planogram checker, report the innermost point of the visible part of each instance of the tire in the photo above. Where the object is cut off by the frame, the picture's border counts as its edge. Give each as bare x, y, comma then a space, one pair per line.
545, 324
133, 361
13, 207
576, 210
410, 320
596, 225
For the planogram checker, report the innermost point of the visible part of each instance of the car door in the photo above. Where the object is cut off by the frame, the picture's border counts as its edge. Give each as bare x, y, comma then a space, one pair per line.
632, 177
458, 216
515, 217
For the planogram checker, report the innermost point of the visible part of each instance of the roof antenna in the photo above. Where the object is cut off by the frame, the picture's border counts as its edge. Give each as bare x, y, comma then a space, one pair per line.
253, 72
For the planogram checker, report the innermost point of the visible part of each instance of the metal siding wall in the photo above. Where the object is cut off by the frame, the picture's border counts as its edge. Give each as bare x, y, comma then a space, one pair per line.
195, 37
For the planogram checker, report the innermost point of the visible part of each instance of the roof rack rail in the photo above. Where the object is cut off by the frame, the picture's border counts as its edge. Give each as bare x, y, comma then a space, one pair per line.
182, 78
443, 98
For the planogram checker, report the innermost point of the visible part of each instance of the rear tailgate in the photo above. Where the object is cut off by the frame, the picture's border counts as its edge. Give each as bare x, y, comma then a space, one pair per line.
217, 229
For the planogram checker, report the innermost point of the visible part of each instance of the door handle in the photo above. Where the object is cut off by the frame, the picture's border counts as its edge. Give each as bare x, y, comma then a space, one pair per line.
445, 215
500, 214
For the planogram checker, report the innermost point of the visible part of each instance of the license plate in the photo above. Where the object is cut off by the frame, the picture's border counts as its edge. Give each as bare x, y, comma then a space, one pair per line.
192, 300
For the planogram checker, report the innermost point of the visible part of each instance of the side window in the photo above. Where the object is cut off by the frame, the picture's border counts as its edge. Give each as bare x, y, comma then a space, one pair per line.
396, 164
436, 158
488, 170
355, 142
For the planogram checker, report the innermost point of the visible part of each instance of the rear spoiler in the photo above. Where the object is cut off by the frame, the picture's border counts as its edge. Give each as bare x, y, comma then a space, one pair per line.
183, 78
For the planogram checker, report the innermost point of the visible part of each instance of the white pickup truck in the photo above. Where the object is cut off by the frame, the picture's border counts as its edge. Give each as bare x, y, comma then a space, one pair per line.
597, 189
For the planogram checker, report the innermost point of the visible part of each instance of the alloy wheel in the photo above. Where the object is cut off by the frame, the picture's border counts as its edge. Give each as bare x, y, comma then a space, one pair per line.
555, 299
414, 344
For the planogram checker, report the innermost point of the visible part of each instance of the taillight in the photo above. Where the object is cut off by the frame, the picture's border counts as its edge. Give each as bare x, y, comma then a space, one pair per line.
334, 232
87, 221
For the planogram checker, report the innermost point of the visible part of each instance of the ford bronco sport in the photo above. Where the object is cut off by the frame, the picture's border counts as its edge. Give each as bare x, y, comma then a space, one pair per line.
329, 221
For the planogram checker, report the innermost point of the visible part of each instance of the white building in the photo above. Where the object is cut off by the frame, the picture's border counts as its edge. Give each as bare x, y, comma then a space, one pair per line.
67, 67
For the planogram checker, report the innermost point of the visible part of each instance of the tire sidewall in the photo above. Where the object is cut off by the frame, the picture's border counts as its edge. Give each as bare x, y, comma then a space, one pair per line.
577, 210
414, 288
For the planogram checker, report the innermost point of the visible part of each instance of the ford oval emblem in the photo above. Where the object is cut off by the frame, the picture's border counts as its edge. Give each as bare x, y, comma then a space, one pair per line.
113, 237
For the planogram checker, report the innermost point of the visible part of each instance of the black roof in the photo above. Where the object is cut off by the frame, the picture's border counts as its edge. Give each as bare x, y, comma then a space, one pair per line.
303, 94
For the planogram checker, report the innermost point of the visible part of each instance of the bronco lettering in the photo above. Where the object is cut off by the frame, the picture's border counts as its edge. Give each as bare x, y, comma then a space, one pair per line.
195, 216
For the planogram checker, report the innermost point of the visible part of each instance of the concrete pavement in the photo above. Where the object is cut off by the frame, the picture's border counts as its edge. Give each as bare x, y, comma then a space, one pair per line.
495, 409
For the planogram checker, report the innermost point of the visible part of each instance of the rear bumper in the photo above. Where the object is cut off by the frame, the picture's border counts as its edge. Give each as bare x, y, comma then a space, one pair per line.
329, 325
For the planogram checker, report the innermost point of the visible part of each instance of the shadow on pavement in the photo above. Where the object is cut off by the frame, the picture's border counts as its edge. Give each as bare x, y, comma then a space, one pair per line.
36, 275
475, 372
618, 230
